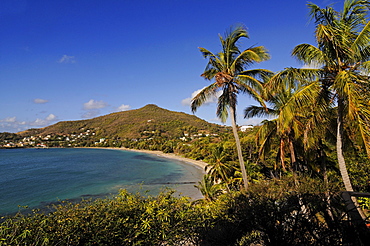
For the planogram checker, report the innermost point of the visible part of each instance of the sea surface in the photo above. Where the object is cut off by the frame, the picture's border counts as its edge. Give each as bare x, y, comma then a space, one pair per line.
39, 177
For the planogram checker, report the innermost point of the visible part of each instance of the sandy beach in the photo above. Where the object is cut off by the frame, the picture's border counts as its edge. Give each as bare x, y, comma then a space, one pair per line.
181, 189
201, 164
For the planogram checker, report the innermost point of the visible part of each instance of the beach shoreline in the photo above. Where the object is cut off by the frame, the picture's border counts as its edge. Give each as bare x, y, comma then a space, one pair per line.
173, 156
200, 164
184, 189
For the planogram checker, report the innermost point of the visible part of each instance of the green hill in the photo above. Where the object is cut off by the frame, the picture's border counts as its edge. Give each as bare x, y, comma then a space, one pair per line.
138, 123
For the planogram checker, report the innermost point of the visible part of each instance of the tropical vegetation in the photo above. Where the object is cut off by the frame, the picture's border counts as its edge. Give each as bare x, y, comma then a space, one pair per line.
228, 69
299, 165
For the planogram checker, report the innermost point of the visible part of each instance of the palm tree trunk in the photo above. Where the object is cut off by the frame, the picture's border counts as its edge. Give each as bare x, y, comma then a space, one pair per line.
282, 155
238, 148
293, 161
351, 202
339, 146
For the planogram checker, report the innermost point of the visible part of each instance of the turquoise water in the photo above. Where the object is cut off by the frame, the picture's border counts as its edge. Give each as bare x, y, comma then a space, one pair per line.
37, 177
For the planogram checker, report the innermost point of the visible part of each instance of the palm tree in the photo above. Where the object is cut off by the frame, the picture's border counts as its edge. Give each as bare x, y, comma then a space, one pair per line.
342, 53
208, 188
228, 69
218, 169
339, 77
286, 127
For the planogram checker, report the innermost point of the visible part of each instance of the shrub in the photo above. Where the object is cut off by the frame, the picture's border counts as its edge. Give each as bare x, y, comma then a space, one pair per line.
127, 219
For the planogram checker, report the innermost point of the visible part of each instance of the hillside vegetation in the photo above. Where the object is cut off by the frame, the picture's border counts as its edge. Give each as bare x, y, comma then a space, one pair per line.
132, 124
300, 178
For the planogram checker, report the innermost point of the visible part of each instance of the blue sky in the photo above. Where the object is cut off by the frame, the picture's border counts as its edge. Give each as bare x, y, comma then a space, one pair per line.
70, 60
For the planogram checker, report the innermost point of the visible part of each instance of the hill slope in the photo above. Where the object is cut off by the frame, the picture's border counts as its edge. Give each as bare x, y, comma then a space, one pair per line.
133, 124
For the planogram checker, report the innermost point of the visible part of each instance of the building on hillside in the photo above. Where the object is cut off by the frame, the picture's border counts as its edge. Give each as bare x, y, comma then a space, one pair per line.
244, 128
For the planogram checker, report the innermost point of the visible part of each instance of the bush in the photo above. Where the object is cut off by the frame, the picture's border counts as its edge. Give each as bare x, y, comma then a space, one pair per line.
128, 219
273, 212
276, 212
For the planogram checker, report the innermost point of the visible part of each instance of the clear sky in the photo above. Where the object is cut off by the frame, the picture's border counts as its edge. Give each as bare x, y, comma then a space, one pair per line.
70, 60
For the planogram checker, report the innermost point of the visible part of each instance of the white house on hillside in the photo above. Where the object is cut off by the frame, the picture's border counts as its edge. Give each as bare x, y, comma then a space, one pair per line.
244, 128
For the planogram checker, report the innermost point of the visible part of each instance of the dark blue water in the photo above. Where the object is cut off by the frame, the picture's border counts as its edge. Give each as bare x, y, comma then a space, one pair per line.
33, 177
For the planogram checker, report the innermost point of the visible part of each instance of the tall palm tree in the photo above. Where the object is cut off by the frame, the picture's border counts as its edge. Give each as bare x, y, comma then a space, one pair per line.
287, 125
228, 69
342, 55
339, 77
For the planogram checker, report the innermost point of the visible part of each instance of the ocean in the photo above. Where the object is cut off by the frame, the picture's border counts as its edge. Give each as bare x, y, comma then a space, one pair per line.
39, 177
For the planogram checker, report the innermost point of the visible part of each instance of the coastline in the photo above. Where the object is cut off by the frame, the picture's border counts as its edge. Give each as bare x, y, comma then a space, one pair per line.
185, 174
173, 156
189, 189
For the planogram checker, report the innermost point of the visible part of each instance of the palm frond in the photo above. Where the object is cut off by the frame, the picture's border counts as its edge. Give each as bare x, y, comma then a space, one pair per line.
229, 43
305, 96
253, 111
364, 55
206, 53
223, 107
252, 87
292, 78
209, 73
357, 108
364, 68
333, 42
248, 57
340, 84
263, 75
265, 136
322, 16
214, 64
366, 136
203, 96
354, 12
361, 43
309, 54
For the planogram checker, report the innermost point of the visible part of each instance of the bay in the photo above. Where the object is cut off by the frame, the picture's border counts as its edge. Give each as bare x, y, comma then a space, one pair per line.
37, 177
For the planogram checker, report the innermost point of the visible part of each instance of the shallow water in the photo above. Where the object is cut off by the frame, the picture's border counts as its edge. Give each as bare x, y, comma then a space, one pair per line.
35, 177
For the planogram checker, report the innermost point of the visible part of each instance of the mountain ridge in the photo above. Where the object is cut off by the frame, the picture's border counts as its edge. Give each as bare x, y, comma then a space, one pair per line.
134, 123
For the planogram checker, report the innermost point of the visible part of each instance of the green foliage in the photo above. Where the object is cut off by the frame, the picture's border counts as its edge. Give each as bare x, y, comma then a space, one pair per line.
6, 136
342, 55
127, 219
359, 170
145, 122
275, 212
364, 202
208, 188
293, 204
228, 70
